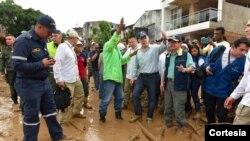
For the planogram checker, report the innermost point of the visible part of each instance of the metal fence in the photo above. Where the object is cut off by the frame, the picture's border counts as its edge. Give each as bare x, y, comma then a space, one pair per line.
208, 14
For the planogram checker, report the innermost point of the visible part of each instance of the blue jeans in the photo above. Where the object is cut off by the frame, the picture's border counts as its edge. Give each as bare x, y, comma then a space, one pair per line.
96, 79
109, 88
151, 83
100, 86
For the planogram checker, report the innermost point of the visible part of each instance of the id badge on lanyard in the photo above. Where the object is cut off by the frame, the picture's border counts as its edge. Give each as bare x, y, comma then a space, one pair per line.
72, 52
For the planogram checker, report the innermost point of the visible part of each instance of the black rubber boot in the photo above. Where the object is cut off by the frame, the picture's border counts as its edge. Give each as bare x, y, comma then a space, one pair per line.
102, 119
118, 115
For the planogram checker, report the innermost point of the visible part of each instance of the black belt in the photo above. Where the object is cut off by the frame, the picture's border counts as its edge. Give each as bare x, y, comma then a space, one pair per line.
40, 79
170, 79
149, 74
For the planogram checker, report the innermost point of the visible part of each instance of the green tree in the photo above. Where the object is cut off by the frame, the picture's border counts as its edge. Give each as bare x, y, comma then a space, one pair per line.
101, 34
16, 19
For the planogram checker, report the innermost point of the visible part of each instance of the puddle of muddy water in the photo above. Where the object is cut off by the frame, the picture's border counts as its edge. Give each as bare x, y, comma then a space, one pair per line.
6, 115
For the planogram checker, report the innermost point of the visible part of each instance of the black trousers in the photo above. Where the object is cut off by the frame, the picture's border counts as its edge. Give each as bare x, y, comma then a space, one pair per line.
215, 108
11, 77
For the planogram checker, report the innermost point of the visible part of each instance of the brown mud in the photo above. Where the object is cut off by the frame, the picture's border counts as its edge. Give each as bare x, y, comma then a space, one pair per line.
90, 129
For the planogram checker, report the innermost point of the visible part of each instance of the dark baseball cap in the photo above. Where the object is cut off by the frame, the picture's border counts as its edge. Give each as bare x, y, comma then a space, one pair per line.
176, 38
48, 22
142, 34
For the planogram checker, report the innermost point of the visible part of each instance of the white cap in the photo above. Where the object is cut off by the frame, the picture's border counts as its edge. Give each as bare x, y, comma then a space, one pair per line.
79, 43
185, 45
92, 43
72, 33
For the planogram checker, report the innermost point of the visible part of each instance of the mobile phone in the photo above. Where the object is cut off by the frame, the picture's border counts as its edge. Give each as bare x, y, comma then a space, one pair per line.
204, 40
52, 59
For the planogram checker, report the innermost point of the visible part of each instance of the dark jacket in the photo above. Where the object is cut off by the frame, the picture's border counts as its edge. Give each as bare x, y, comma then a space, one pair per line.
5, 58
29, 50
220, 84
180, 78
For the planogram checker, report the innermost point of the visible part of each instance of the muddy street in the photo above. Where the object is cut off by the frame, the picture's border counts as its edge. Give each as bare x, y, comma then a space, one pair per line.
90, 129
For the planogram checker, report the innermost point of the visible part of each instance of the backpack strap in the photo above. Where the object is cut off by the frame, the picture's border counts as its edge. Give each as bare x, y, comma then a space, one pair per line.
221, 49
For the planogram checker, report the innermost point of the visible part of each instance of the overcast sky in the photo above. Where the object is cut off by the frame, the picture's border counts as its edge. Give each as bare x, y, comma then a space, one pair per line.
73, 13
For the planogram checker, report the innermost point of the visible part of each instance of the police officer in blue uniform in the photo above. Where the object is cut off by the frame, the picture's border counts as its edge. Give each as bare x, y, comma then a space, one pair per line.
31, 62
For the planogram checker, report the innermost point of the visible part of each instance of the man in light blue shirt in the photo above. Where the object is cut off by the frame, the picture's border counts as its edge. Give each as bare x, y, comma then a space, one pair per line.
146, 64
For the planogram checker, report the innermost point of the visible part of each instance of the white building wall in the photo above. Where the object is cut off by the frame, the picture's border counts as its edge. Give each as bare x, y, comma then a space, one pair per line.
152, 21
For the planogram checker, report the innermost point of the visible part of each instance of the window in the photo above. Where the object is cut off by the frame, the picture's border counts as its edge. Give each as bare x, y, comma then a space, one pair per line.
176, 17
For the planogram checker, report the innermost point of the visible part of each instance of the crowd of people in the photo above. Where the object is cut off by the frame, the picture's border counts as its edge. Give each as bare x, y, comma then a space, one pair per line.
163, 74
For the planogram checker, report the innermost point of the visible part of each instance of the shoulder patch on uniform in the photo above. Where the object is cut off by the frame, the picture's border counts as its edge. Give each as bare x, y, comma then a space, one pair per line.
36, 50
27, 35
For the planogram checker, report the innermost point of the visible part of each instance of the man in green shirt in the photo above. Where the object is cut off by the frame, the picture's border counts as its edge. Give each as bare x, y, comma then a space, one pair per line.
112, 74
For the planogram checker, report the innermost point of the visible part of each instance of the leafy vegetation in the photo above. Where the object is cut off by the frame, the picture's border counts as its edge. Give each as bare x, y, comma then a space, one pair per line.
101, 34
16, 19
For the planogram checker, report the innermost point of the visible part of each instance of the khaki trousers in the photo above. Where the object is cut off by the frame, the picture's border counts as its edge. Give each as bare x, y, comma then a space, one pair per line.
76, 90
242, 115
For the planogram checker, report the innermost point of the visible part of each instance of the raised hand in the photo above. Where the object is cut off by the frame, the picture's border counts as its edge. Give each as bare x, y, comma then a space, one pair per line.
164, 35
120, 27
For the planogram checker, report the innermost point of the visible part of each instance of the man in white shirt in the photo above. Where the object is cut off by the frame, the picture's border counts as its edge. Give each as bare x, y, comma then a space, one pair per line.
243, 89
66, 75
161, 66
133, 45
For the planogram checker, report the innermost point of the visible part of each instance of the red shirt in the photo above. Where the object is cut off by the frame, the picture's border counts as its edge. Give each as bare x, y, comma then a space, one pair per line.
81, 68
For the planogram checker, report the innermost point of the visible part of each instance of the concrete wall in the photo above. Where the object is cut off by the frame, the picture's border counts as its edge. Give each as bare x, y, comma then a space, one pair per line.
167, 19
231, 36
234, 18
152, 21
87, 28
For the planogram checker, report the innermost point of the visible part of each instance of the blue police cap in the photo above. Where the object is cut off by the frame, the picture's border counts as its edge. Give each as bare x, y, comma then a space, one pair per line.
48, 22
142, 34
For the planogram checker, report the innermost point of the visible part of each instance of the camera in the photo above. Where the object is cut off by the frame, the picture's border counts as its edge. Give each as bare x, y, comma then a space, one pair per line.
204, 40
100, 48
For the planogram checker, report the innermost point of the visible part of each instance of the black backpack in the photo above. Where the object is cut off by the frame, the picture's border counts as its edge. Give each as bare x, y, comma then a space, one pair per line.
62, 98
200, 72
